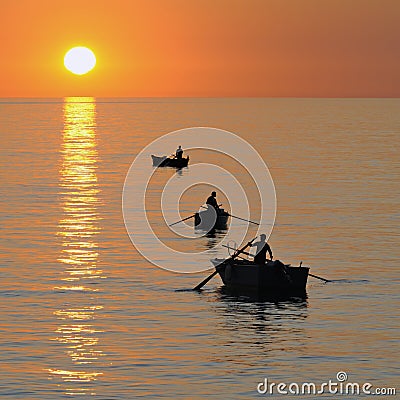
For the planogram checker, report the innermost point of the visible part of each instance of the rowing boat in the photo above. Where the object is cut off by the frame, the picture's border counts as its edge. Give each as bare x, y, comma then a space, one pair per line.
206, 220
165, 161
273, 277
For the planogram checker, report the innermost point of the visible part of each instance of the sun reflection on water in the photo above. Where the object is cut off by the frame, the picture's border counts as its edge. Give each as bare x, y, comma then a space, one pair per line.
78, 228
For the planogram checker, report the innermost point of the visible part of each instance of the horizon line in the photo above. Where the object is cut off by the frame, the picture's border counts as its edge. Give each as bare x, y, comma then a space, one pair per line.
201, 97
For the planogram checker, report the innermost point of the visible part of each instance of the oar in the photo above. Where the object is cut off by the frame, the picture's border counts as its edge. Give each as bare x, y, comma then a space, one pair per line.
243, 252
234, 216
234, 255
247, 220
202, 283
184, 219
316, 276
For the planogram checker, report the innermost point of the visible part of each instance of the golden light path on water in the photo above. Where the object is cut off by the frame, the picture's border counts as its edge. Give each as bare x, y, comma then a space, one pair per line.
77, 229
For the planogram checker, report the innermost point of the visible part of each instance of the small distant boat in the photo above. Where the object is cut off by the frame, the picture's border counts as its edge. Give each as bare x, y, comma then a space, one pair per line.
165, 161
201, 220
273, 277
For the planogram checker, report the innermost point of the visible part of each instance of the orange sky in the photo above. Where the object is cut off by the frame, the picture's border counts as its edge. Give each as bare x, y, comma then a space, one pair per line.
284, 48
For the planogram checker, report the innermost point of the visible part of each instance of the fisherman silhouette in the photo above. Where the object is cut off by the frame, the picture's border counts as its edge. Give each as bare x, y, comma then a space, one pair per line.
179, 153
262, 249
212, 201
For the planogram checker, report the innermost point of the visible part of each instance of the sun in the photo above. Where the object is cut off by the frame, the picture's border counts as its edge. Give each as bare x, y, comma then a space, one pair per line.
79, 60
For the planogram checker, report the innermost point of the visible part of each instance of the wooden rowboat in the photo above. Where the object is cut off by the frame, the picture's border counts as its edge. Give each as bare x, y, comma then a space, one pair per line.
165, 161
201, 220
273, 277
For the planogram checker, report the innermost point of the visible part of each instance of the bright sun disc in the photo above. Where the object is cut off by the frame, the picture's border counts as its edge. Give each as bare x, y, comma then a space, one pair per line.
79, 60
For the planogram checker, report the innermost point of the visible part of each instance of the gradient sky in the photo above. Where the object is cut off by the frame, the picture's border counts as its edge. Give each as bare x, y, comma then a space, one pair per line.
268, 48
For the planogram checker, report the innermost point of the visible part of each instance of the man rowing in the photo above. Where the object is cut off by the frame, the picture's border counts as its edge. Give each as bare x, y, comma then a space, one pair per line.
212, 201
262, 248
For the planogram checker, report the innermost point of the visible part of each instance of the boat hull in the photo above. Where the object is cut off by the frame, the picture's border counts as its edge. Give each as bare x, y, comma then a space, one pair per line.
273, 277
220, 223
170, 162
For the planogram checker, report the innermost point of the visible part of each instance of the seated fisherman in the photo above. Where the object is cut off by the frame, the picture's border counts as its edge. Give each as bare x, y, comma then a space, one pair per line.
212, 201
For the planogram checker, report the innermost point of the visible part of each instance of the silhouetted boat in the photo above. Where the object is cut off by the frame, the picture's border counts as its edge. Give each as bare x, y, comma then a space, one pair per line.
165, 161
273, 277
201, 220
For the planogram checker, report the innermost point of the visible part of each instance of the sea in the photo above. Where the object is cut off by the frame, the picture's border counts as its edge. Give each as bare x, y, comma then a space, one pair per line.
96, 302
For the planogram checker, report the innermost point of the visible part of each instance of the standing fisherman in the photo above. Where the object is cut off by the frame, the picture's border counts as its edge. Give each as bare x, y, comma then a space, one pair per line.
262, 249
179, 153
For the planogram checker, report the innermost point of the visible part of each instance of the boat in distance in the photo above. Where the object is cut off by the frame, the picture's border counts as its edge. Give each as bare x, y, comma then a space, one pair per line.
203, 220
165, 161
273, 277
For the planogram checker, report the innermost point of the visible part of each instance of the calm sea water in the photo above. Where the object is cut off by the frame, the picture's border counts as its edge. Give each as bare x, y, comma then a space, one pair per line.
83, 313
